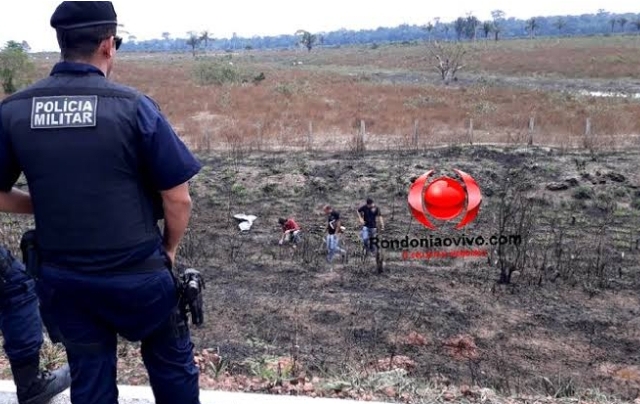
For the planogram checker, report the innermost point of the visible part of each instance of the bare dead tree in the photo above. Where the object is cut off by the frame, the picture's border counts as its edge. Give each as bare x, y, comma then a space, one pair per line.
602, 253
449, 58
515, 215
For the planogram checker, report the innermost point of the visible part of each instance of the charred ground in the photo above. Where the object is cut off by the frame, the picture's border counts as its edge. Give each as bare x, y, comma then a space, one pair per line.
568, 314
566, 321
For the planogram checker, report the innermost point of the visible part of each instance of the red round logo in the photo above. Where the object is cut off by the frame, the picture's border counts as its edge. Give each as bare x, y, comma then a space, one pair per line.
445, 198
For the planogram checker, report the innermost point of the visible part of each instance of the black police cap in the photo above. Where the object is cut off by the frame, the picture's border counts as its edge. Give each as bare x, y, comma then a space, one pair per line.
81, 14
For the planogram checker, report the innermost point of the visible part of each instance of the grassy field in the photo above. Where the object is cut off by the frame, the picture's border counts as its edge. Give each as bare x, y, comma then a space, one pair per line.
391, 88
565, 328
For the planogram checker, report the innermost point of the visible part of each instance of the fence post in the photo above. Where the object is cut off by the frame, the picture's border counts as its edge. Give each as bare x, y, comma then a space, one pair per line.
531, 130
587, 134
260, 144
470, 134
310, 137
363, 130
415, 134
587, 127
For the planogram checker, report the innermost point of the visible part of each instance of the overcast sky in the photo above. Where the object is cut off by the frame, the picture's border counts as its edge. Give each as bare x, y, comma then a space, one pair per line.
29, 19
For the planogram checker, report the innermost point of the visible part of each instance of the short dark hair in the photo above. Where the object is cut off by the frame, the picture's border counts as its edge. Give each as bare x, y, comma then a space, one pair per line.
82, 43
369, 201
282, 220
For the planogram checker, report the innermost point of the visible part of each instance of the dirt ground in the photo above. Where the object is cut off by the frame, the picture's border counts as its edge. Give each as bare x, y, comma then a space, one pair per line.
288, 322
574, 327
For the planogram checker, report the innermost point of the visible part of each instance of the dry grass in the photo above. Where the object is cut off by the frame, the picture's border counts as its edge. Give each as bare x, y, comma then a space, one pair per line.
332, 90
280, 110
387, 379
595, 57
603, 58
390, 382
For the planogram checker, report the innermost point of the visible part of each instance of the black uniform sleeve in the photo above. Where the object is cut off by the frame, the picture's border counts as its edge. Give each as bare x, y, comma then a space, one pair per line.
169, 161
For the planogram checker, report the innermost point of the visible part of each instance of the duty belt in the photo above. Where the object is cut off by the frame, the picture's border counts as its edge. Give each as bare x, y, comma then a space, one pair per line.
151, 264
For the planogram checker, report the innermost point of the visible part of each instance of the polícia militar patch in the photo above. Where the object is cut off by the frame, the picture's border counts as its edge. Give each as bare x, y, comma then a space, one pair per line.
67, 111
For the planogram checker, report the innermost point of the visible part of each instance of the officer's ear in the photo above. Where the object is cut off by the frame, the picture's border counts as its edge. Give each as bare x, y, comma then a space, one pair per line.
107, 47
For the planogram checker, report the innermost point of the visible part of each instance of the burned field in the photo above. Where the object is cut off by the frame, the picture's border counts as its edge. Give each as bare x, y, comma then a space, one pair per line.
566, 316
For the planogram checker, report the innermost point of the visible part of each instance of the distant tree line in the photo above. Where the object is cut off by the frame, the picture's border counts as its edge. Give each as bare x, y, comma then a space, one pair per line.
464, 28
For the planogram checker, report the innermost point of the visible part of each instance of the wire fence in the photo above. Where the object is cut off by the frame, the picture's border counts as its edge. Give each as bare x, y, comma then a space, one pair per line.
420, 136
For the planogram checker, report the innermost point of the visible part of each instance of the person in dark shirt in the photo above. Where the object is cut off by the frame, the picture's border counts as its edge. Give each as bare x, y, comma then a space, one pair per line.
334, 228
369, 216
290, 231
103, 166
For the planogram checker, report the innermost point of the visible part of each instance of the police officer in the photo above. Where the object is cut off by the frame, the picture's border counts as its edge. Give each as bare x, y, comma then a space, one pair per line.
103, 165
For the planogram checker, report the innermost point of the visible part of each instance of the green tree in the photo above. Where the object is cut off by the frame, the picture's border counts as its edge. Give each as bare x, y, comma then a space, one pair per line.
471, 25
622, 21
429, 27
560, 24
498, 18
532, 26
13, 45
16, 67
193, 41
459, 26
307, 39
445, 29
205, 36
487, 27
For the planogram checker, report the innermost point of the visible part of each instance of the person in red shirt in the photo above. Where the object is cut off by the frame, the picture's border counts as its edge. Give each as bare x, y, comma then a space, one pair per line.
290, 231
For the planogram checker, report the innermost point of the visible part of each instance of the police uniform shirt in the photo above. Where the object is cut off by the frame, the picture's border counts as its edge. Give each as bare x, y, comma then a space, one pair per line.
168, 162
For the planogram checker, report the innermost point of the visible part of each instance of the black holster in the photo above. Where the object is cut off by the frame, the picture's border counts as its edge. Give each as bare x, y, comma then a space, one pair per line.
192, 302
30, 256
189, 285
31, 260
